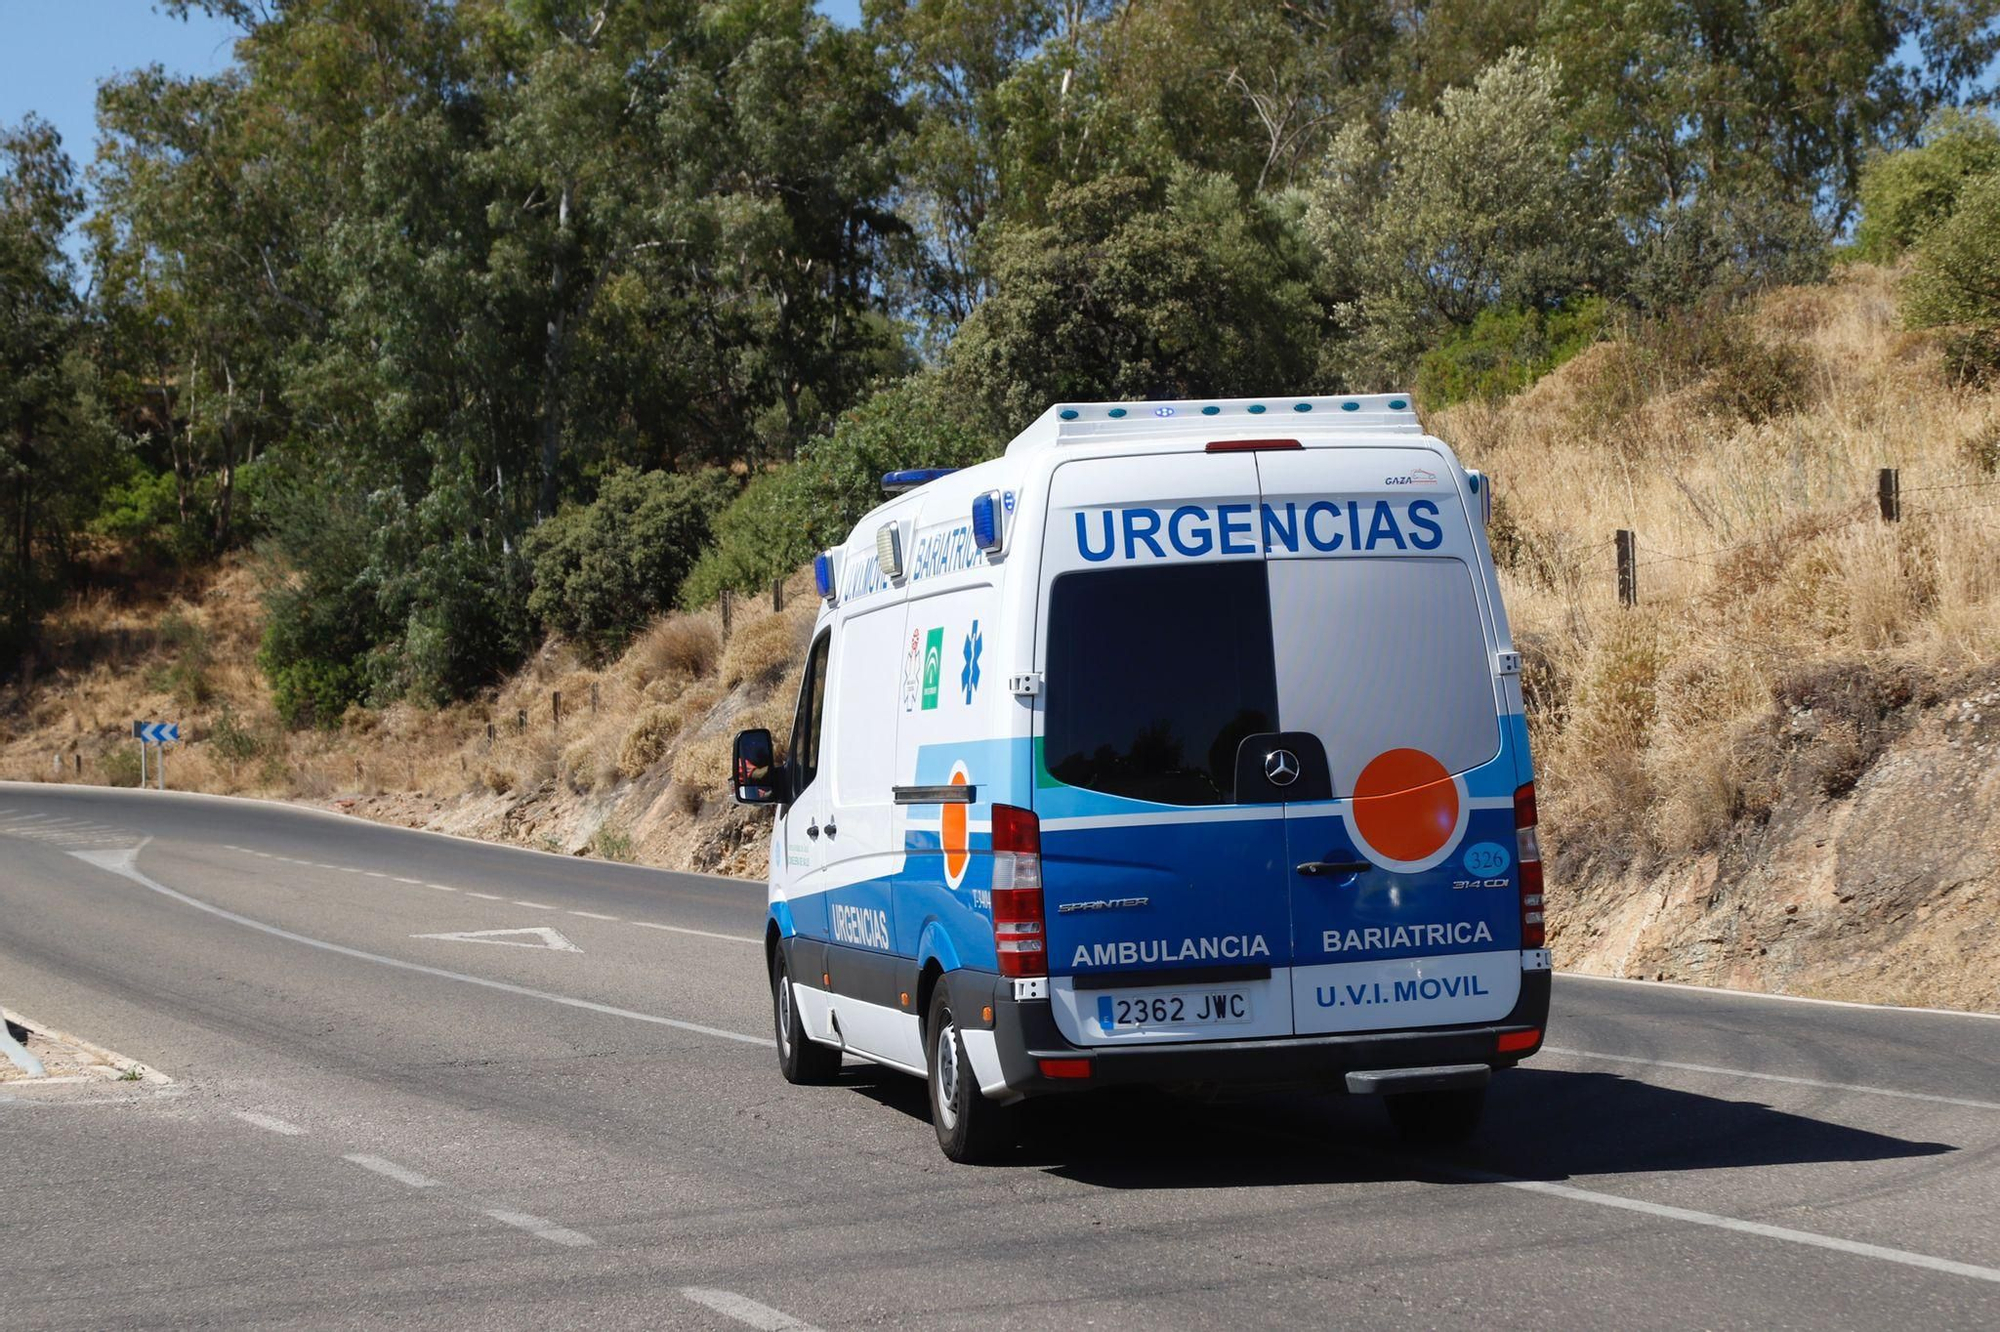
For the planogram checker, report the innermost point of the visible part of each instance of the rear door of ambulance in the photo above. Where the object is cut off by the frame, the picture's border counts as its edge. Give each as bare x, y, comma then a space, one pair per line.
1168, 899
1399, 835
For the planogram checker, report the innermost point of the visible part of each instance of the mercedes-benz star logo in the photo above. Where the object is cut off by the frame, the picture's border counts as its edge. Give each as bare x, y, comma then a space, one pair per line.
1281, 767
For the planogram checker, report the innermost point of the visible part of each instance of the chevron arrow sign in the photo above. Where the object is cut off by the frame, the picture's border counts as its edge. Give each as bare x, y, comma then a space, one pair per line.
157, 733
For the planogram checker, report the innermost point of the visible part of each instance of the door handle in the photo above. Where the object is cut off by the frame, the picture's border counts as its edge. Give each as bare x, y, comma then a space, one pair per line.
812, 831
1326, 869
831, 829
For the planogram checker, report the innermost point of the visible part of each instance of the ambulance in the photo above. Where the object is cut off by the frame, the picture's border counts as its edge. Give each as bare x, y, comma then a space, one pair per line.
1180, 746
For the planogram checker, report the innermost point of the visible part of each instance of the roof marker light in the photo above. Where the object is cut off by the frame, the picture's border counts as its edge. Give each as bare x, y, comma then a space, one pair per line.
1067, 413
1250, 445
1398, 404
1211, 410
1115, 413
988, 533
1302, 406
1350, 406
823, 575
1256, 409
889, 550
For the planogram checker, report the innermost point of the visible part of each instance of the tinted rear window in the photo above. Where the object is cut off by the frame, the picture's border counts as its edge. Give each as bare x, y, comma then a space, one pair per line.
1155, 676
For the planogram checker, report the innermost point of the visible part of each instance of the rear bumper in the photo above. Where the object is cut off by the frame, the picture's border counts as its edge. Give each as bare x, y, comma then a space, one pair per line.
1025, 1034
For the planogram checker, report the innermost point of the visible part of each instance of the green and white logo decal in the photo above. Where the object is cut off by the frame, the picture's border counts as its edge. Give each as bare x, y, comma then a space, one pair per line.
933, 666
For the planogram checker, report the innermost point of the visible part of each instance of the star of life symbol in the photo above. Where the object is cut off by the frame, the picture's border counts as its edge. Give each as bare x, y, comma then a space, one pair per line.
968, 677
1281, 767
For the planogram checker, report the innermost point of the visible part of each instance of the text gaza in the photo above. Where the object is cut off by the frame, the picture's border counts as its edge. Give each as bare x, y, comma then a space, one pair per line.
1194, 530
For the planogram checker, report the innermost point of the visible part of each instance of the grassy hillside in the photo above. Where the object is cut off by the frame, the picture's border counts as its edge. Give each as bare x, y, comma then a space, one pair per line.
1776, 770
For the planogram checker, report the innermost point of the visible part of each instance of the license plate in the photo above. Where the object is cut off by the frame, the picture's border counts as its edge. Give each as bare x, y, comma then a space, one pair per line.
1173, 1008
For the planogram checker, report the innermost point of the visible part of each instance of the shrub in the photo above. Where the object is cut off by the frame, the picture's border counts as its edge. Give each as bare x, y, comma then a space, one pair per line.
1906, 194
1504, 351
648, 739
314, 692
185, 676
603, 569
1955, 284
677, 647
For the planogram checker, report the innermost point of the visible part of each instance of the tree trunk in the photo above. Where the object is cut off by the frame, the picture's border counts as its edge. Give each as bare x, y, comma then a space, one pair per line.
552, 361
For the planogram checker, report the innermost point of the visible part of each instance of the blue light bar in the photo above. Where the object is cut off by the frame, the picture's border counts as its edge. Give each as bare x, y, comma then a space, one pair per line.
986, 530
912, 477
823, 576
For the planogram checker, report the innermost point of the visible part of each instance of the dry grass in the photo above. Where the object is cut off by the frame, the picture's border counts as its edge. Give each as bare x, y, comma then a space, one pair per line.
1751, 486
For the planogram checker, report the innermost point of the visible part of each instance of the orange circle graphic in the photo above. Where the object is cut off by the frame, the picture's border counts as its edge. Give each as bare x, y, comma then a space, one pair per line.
1405, 804
952, 835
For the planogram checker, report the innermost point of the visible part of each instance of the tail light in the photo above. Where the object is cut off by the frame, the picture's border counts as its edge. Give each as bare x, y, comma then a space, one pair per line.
1528, 853
1018, 935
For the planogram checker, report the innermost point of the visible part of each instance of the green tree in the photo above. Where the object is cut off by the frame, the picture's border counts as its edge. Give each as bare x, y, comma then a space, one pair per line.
1904, 194
1141, 289
1742, 97
1486, 200
56, 445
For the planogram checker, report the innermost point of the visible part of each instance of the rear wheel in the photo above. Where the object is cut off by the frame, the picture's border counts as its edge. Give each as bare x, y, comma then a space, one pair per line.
970, 1128
801, 1059
1437, 1118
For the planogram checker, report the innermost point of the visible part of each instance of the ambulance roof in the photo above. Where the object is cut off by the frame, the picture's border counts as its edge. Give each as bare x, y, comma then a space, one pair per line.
1075, 422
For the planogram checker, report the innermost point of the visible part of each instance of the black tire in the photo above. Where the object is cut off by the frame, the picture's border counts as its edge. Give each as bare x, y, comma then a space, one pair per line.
1437, 1118
970, 1128
801, 1059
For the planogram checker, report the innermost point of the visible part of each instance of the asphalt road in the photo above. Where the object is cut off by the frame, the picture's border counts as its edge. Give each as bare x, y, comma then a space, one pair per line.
370, 1124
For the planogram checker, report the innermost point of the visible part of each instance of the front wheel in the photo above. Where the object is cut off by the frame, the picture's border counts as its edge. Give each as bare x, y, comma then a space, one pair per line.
801, 1059
1437, 1118
970, 1128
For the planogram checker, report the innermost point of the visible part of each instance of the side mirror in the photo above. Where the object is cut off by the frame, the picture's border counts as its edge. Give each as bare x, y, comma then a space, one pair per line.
756, 776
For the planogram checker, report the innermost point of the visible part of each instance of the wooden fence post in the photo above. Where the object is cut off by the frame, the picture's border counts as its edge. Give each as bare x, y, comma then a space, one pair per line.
1628, 567
777, 594
725, 612
555, 708
1889, 494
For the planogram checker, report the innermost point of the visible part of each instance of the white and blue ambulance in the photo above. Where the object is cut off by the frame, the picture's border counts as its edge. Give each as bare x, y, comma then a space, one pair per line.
1182, 744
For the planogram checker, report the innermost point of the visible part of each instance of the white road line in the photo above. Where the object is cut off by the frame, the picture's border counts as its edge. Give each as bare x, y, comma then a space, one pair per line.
536, 1226
1775, 998
122, 862
401, 1174
400, 879
1785, 1233
744, 1310
592, 915
375, 874
705, 934
269, 1123
442, 887
491, 897
538, 906
1774, 1077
